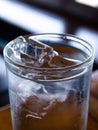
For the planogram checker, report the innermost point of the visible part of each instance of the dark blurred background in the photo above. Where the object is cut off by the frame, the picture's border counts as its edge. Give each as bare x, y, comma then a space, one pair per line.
21, 17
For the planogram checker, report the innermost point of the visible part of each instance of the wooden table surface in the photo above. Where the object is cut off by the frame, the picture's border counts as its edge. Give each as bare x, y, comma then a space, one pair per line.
5, 118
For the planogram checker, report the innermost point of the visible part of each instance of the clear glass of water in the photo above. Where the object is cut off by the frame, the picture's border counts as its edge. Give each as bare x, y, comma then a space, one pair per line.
49, 81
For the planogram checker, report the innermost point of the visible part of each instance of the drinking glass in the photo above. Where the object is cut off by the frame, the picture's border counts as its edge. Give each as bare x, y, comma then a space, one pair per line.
49, 81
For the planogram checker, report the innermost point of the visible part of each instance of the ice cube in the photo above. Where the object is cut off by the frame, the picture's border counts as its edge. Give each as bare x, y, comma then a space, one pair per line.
43, 55
17, 47
31, 52
36, 107
38, 54
27, 88
19, 44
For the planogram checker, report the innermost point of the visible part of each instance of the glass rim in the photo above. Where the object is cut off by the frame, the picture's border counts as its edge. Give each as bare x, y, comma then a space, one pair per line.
71, 37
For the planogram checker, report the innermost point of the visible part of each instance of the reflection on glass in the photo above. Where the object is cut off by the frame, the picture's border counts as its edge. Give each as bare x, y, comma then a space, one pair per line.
31, 19
93, 3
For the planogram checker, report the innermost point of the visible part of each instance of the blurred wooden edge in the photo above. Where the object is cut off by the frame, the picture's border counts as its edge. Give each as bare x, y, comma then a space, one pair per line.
92, 124
5, 118
93, 107
93, 113
4, 108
